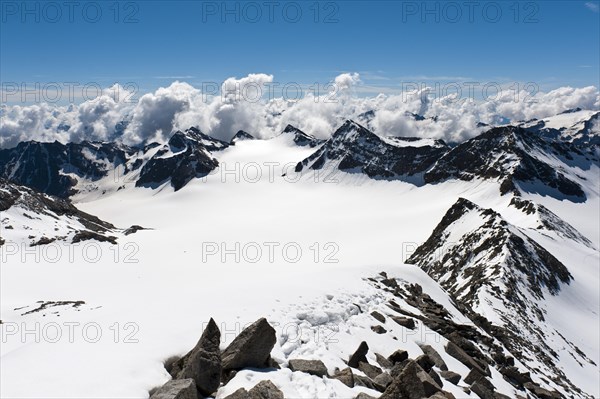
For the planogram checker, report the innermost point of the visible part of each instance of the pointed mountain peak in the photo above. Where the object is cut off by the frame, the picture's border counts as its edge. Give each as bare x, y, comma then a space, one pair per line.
241, 136
302, 139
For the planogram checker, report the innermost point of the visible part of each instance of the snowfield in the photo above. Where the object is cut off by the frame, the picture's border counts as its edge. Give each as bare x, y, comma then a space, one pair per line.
247, 242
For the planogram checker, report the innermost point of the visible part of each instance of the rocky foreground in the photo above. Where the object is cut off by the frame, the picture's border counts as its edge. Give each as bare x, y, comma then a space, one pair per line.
207, 368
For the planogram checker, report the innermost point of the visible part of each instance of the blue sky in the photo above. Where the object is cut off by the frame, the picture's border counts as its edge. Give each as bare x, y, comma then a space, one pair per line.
551, 43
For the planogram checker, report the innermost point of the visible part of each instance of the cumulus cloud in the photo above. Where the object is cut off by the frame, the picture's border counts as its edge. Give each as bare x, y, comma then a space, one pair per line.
346, 81
242, 104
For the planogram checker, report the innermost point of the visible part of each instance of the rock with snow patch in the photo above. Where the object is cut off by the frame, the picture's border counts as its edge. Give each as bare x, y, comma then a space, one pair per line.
177, 389
360, 355
313, 367
251, 348
203, 363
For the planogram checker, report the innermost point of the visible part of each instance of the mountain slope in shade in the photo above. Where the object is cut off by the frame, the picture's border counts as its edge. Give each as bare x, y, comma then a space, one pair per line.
302, 139
515, 157
547, 222
501, 277
580, 127
56, 169
186, 156
27, 216
355, 149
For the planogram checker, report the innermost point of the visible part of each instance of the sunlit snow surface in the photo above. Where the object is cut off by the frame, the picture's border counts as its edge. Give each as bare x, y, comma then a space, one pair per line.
366, 226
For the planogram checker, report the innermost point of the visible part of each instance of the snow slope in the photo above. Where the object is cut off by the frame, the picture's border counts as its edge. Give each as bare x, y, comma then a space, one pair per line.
161, 285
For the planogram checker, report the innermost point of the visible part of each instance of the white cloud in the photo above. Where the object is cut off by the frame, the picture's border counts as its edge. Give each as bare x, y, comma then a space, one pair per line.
240, 107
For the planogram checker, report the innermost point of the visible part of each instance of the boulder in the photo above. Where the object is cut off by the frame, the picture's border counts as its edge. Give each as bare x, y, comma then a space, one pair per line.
239, 394
265, 390
366, 382
378, 316
425, 362
345, 376
312, 367
360, 355
399, 356
451, 376
406, 385
541, 392
177, 389
203, 363
435, 376
252, 348
475, 376
434, 356
482, 390
453, 350
383, 379
378, 329
406, 322
429, 384
383, 362
370, 370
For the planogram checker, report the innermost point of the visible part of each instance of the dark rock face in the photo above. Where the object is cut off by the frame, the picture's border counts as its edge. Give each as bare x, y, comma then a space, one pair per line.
42, 166
302, 139
177, 389
252, 348
203, 363
29, 200
241, 136
524, 263
360, 355
186, 156
312, 367
511, 155
354, 149
57, 169
407, 385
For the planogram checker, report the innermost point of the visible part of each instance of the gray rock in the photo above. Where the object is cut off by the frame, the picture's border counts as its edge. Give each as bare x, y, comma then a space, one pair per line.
475, 376
399, 356
239, 394
378, 329
429, 384
378, 316
203, 363
453, 350
359, 356
383, 379
406, 385
177, 389
252, 348
425, 362
265, 390
370, 370
482, 391
345, 376
406, 322
366, 382
313, 367
383, 362
451, 376
435, 376
541, 392
434, 356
